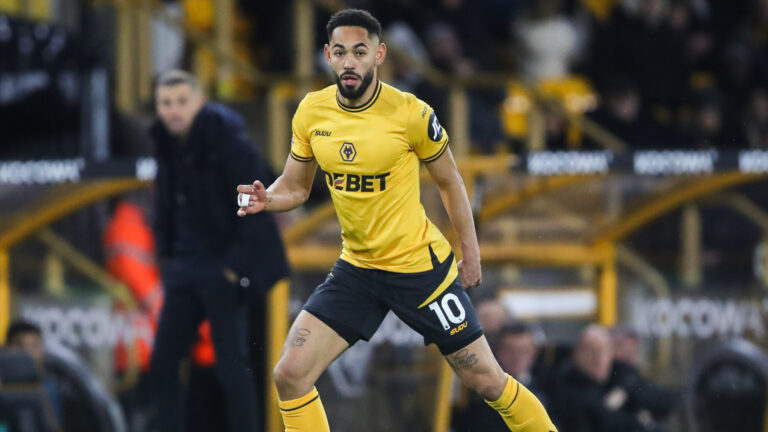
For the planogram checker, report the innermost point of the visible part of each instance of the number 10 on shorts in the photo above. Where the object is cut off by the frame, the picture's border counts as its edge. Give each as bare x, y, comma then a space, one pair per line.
443, 310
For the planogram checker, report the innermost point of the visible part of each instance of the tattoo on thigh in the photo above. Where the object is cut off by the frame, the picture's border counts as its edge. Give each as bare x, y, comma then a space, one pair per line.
300, 337
462, 359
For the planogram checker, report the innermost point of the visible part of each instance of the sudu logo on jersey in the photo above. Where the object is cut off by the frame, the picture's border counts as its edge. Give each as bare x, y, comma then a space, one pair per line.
357, 183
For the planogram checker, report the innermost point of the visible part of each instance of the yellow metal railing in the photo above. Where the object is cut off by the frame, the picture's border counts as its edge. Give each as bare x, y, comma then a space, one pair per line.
38, 10
5, 294
67, 200
607, 289
34, 220
669, 200
86, 266
277, 308
442, 417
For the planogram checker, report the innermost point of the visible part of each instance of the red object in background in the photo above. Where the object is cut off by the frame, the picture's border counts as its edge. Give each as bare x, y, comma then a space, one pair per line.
130, 250
203, 353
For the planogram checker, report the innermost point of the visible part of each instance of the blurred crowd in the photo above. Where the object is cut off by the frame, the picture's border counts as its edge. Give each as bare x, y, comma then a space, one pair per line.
654, 73
666, 73
594, 384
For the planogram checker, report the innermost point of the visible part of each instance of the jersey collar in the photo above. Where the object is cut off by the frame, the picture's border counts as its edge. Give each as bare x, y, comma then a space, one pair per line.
364, 106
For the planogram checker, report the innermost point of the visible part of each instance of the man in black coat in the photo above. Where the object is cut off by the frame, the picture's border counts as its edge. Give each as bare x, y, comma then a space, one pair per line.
584, 400
644, 398
213, 263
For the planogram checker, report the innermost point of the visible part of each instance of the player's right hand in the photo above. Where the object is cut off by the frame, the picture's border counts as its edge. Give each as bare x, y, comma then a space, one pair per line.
257, 198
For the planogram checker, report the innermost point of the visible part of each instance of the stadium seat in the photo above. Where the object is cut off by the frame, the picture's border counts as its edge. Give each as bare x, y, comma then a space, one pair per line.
17, 368
575, 93
86, 405
24, 403
727, 390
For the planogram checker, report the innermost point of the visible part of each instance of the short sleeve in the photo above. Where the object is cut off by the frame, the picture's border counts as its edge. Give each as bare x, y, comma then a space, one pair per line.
301, 150
425, 134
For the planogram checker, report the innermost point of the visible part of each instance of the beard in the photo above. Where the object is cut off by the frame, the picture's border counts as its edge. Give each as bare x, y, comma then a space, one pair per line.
351, 92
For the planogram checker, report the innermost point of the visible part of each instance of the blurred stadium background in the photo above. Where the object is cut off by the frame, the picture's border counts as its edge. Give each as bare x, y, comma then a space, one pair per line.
615, 152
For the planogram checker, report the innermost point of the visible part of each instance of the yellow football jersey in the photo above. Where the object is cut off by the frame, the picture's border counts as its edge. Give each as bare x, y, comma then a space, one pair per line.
370, 156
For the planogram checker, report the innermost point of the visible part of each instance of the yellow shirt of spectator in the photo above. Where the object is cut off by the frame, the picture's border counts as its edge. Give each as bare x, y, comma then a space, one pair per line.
370, 157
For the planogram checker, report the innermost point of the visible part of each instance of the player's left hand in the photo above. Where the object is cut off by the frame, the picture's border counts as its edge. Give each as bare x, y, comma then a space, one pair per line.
470, 273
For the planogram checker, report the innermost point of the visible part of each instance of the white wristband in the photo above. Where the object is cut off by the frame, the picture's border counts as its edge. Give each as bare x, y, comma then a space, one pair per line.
243, 200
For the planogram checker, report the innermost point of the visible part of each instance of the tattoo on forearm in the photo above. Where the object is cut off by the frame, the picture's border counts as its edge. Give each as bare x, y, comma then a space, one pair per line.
463, 359
300, 337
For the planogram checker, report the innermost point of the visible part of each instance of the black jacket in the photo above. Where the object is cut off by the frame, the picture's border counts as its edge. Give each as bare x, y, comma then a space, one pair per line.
222, 156
643, 394
578, 406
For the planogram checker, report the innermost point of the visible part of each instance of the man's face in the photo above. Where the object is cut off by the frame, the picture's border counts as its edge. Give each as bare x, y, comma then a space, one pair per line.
626, 348
29, 343
492, 315
177, 105
594, 357
353, 57
516, 353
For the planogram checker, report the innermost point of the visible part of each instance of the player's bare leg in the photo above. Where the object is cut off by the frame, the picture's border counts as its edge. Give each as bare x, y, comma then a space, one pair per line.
310, 348
478, 370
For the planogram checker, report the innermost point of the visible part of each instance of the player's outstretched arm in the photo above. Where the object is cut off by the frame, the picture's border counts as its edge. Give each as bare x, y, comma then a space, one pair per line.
454, 195
289, 191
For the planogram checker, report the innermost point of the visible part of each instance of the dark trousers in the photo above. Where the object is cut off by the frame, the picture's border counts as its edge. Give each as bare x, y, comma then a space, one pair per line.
195, 289
206, 402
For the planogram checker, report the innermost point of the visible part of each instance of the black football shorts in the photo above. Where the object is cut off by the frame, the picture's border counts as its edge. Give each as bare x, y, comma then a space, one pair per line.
353, 301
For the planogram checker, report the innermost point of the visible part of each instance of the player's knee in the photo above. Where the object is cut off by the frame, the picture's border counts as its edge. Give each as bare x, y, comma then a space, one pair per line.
287, 375
489, 390
281, 375
488, 386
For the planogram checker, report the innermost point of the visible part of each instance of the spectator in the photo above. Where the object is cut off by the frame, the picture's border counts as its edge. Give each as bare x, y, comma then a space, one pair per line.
405, 51
547, 41
167, 39
756, 119
738, 72
708, 126
693, 20
210, 268
622, 114
492, 315
516, 349
556, 129
639, 41
25, 337
626, 346
446, 51
447, 54
751, 34
467, 21
644, 399
583, 401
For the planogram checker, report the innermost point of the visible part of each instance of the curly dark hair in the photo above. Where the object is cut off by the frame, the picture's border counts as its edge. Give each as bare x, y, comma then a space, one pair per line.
356, 18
